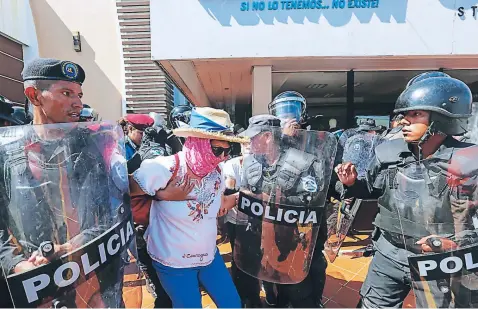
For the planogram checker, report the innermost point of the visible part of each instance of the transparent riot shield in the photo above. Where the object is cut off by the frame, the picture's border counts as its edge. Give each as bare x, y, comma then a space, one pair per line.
283, 193
432, 214
358, 148
66, 223
473, 125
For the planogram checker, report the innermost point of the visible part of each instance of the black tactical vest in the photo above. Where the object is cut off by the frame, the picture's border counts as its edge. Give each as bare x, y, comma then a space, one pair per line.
416, 198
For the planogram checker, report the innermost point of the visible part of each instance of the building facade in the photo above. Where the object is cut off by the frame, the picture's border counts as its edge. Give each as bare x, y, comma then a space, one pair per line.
347, 57
147, 87
18, 43
115, 52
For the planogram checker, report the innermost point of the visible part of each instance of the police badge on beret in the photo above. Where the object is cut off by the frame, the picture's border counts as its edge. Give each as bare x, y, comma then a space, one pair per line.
309, 184
53, 69
69, 69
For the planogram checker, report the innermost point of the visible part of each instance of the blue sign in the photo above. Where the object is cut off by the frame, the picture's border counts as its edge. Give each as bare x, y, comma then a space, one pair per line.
307, 5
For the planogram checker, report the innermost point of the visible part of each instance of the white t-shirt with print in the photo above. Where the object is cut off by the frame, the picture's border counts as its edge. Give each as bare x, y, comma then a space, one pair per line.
181, 234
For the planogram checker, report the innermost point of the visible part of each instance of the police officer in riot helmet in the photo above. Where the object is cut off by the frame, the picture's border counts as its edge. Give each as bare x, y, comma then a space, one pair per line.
290, 107
433, 108
88, 114
180, 116
368, 125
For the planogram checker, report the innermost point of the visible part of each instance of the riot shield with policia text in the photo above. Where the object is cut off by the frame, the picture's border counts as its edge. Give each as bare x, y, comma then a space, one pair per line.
434, 217
67, 236
358, 149
283, 192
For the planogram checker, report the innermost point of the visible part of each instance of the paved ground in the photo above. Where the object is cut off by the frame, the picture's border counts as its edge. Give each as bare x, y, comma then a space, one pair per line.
344, 279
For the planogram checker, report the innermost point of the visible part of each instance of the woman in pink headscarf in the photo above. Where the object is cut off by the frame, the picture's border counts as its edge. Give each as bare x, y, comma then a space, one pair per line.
181, 237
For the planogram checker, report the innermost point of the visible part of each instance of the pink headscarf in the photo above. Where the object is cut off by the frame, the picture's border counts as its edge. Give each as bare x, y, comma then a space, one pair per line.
199, 156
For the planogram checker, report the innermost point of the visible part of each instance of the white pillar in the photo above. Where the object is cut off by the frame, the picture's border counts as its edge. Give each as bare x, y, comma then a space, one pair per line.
261, 89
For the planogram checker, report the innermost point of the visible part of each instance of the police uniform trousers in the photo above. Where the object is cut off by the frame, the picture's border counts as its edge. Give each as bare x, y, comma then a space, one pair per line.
308, 293
388, 280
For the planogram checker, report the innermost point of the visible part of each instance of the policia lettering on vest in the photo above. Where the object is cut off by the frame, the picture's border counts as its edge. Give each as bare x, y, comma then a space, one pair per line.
425, 237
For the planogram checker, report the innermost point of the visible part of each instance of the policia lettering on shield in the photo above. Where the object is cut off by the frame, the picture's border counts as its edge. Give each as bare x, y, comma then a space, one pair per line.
56, 195
427, 200
291, 108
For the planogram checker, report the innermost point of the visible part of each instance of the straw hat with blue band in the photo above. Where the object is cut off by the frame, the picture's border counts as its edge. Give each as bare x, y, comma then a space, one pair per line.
210, 123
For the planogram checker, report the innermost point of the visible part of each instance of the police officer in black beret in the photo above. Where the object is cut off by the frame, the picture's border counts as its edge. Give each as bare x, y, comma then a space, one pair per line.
53, 87
57, 194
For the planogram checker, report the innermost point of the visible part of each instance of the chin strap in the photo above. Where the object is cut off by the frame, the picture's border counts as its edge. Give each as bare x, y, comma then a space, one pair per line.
425, 137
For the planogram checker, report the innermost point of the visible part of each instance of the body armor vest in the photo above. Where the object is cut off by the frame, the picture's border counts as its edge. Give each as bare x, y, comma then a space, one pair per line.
416, 198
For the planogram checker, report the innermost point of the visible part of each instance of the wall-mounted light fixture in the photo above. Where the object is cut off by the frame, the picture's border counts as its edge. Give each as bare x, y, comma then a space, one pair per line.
76, 41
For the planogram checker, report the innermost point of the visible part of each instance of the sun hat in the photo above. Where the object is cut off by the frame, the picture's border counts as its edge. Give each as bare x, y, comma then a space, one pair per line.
210, 123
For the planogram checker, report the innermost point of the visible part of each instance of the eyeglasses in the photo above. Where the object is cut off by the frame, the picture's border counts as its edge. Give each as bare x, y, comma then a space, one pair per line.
217, 151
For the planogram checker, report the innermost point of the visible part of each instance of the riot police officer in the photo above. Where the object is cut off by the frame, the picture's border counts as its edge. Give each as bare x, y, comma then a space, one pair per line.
265, 131
180, 116
291, 108
369, 125
88, 114
415, 202
52, 205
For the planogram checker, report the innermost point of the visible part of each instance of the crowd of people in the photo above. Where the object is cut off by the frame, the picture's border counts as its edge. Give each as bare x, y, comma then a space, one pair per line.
163, 185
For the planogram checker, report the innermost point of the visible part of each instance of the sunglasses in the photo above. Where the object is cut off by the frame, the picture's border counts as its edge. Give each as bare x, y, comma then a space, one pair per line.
217, 151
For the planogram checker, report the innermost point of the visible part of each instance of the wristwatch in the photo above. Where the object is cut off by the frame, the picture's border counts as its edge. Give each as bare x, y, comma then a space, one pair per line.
435, 243
47, 248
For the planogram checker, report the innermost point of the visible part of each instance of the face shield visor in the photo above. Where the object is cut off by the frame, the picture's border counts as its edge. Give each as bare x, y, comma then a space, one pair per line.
287, 110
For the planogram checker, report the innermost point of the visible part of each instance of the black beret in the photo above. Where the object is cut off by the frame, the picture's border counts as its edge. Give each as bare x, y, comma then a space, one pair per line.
52, 69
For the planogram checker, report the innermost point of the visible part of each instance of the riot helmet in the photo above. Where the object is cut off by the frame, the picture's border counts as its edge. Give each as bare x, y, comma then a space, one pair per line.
287, 105
426, 75
367, 125
447, 99
88, 114
180, 116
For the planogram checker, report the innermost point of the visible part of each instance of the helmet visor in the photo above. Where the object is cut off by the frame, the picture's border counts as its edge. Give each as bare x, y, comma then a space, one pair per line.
287, 110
